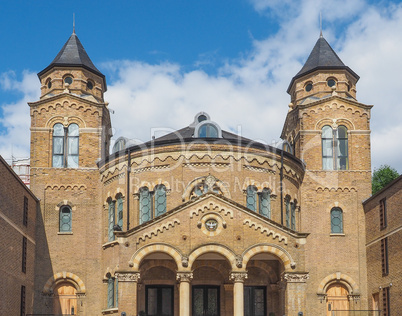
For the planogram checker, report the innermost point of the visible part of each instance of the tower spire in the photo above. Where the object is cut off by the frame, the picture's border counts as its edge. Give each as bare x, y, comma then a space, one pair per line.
73, 23
321, 24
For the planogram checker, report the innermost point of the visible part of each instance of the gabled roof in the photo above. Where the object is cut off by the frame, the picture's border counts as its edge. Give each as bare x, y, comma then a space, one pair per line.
322, 57
73, 54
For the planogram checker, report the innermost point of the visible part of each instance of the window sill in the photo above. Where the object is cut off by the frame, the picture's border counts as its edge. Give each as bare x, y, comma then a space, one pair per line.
110, 244
64, 233
337, 234
112, 310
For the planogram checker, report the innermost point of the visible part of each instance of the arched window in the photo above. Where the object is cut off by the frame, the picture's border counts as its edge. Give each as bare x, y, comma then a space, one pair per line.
145, 205
120, 211
208, 130
110, 291
335, 154
287, 207
336, 221
112, 207
65, 146
342, 148
65, 219
252, 197
265, 203
293, 215
160, 200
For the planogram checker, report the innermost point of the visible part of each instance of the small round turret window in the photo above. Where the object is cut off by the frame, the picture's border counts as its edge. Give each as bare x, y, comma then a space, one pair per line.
331, 82
68, 80
201, 118
90, 85
309, 87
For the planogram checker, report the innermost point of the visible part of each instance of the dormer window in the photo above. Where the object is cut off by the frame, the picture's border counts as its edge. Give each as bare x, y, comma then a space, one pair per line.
204, 127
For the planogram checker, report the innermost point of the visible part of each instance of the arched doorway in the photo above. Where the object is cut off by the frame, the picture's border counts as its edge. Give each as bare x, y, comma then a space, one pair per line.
65, 299
263, 294
337, 300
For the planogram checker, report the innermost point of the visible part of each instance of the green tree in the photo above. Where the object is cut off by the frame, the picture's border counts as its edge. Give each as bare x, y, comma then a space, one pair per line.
382, 176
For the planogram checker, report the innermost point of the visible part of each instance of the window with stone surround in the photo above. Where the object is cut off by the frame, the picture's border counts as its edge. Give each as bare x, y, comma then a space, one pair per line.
336, 221
152, 203
65, 146
65, 223
334, 142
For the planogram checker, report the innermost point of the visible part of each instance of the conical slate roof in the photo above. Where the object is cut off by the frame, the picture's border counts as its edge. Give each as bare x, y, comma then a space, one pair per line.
73, 54
322, 57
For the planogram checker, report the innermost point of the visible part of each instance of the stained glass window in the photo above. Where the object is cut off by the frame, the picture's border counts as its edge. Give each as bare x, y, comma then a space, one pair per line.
145, 205
342, 148
112, 205
336, 220
160, 200
120, 211
265, 203
252, 197
110, 292
65, 219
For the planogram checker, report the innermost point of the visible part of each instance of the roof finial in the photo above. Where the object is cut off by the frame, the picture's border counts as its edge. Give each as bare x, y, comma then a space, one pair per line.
73, 23
321, 24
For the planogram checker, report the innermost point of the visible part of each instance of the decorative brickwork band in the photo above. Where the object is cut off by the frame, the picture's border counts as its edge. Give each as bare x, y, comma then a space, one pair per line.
238, 277
184, 276
296, 277
128, 276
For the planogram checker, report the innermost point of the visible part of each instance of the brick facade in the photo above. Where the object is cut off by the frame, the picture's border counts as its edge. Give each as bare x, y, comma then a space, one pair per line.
15, 230
209, 239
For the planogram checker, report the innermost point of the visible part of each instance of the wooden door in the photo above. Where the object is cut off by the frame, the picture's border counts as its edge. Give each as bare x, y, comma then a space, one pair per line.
337, 300
65, 300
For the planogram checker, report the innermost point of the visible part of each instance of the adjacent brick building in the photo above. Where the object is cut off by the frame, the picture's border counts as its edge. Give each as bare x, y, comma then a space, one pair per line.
384, 251
200, 221
18, 207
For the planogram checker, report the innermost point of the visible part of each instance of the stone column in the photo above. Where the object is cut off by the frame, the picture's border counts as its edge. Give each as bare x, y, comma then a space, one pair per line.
184, 301
295, 295
128, 282
238, 292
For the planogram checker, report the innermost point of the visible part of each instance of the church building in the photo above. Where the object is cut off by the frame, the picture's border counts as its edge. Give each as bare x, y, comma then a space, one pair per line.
200, 221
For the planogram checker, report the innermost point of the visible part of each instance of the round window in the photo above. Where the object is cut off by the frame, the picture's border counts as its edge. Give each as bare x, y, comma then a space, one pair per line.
331, 82
211, 224
309, 87
68, 80
90, 85
201, 118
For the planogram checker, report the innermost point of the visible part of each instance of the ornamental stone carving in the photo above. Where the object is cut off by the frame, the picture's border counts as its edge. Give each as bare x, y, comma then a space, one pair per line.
239, 261
296, 277
184, 276
128, 277
184, 261
238, 277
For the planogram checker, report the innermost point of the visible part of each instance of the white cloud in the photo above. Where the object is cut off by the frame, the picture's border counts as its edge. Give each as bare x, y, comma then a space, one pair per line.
16, 119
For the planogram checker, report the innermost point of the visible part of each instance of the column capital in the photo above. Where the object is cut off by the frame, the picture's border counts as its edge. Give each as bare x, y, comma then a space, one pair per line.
128, 276
301, 277
184, 276
238, 277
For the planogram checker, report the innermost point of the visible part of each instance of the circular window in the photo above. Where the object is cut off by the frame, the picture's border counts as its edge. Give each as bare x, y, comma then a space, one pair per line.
331, 82
90, 85
202, 117
49, 84
68, 80
211, 224
309, 87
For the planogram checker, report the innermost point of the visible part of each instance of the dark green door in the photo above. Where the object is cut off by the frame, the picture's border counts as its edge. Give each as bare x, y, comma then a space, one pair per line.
254, 301
205, 300
159, 299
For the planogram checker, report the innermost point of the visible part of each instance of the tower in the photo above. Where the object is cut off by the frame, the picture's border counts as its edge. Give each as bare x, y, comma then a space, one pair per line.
329, 130
69, 134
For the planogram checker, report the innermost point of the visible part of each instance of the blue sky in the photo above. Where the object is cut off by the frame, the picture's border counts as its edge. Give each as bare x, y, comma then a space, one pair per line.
167, 60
